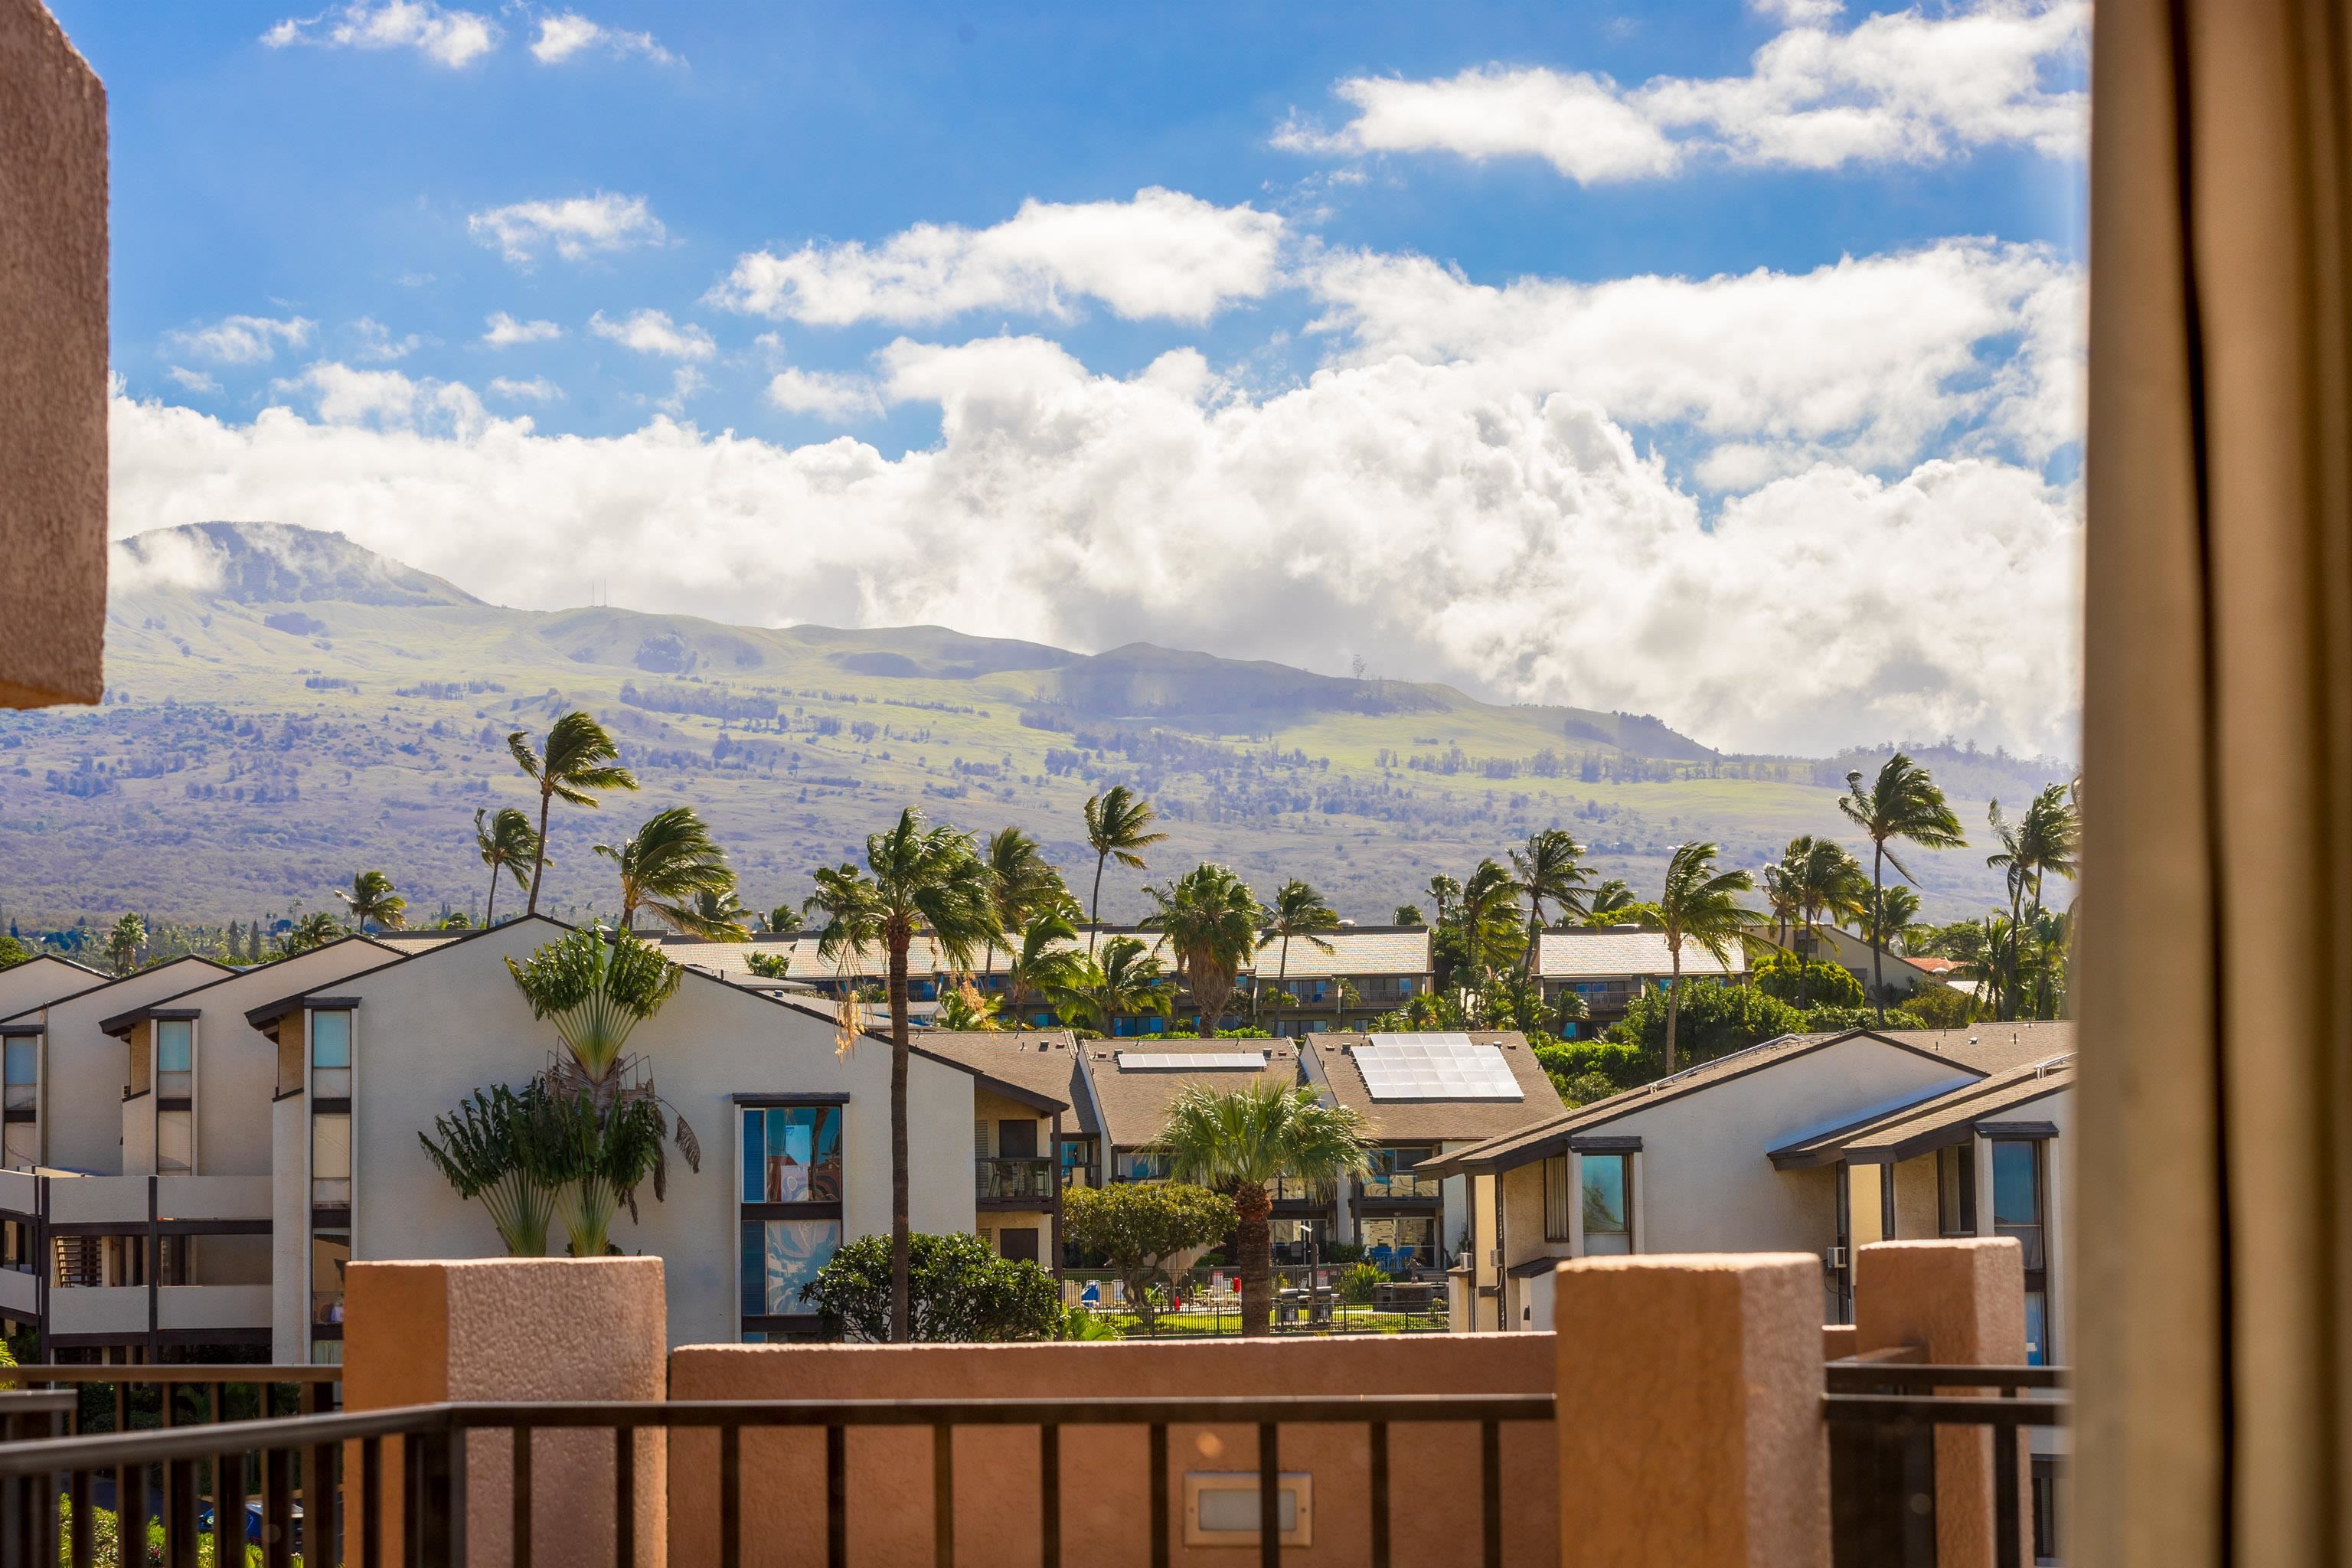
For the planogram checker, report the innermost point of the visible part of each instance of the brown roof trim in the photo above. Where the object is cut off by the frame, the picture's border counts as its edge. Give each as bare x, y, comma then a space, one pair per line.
1846, 1142
151, 1012
122, 1023
119, 979
2017, 1130
1604, 1145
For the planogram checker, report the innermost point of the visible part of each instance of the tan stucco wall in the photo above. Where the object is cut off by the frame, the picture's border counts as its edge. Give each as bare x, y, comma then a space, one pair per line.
83, 1071
536, 1329
1697, 1441
53, 364
1104, 1492
1918, 1215
31, 984
431, 1030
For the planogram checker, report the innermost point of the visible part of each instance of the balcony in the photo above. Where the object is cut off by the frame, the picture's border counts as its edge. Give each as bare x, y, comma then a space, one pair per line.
1016, 1181
1399, 1186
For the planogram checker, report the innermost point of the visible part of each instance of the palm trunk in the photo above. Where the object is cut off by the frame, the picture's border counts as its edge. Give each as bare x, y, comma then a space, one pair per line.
1094, 910
1254, 1238
539, 864
490, 910
1674, 1002
1804, 965
1282, 975
1206, 1029
901, 1290
1877, 913
2016, 901
2042, 980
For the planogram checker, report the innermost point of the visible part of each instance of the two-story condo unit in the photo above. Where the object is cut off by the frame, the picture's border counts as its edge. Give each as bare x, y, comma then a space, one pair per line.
796, 1135
1033, 1135
1606, 969
1340, 979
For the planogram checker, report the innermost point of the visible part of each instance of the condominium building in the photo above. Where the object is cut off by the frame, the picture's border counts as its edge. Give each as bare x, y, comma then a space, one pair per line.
1033, 1135
1605, 970
1340, 979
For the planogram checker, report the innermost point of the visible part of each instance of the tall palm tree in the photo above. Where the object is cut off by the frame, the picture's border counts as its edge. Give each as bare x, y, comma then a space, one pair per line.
721, 915
1443, 890
1549, 870
1211, 920
1243, 1141
1487, 908
1893, 912
1904, 803
374, 898
578, 758
1298, 910
1826, 881
1046, 959
666, 865
1024, 883
1697, 905
1781, 902
924, 881
1612, 895
2046, 839
1125, 980
783, 920
1118, 827
505, 843
1409, 915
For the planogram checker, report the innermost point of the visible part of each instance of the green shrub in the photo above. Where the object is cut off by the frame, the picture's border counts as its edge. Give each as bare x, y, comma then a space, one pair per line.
1939, 1006
1824, 984
1715, 1021
1356, 1284
960, 1291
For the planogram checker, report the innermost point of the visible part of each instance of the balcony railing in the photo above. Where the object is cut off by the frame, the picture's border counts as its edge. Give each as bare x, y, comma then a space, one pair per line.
433, 1500
1882, 1416
1400, 1184
1016, 1180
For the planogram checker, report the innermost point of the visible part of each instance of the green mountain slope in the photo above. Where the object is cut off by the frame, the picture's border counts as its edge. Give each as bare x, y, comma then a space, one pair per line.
285, 707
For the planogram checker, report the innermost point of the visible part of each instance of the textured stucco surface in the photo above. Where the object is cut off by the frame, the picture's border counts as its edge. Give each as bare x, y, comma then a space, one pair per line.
53, 364
1695, 1438
531, 1329
1963, 1303
1106, 1504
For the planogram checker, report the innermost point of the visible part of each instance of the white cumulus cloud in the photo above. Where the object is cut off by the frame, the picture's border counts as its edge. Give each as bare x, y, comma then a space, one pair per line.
824, 394
442, 36
569, 34
385, 400
1908, 87
503, 331
653, 332
195, 381
574, 226
243, 339
538, 389
376, 341
1165, 253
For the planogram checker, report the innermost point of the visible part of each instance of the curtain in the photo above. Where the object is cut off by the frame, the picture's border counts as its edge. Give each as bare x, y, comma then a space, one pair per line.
2215, 1165
53, 364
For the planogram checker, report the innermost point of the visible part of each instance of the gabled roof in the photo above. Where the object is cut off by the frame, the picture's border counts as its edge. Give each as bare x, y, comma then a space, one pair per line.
1437, 1121
1042, 1065
1553, 1137
180, 1002
26, 1017
61, 961
1606, 954
1135, 1100
1929, 1124
269, 1012
1355, 949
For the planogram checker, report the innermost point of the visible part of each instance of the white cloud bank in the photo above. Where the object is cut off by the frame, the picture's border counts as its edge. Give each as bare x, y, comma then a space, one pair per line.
574, 226
1458, 494
1907, 87
569, 34
444, 37
653, 332
243, 339
1164, 254
502, 331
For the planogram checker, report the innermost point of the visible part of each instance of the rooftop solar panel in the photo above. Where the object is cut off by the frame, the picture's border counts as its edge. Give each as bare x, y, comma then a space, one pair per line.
1434, 1067
1193, 1061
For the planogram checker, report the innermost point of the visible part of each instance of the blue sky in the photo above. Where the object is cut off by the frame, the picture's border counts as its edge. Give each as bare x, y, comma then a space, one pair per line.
1496, 344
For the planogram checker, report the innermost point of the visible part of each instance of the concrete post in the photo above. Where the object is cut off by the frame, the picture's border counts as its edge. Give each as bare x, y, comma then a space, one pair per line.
1962, 1302
1690, 1411
516, 1328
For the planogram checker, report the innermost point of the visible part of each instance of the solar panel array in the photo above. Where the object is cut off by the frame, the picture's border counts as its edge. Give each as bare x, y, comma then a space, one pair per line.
1434, 1067
1193, 1061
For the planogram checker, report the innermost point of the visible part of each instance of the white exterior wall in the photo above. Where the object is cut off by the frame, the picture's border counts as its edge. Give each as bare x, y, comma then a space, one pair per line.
37, 981
290, 1238
83, 1071
431, 1030
237, 1064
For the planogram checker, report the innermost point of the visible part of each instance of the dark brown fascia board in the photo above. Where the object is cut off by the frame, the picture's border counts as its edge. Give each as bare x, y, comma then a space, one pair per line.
271, 1012
1604, 1145
2017, 1130
764, 1098
19, 1031
122, 1023
226, 973
155, 1009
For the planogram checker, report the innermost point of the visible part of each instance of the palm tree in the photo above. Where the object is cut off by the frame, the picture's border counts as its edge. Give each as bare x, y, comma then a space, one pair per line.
1893, 912
1549, 870
507, 844
1487, 909
1125, 980
925, 881
578, 758
1825, 880
783, 920
1046, 959
124, 940
1902, 802
1443, 890
666, 866
1211, 921
1409, 915
2047, 838
1298, 910
1781, 900
373, 897
1024, 883
1246, 1141
1697, 905
1116, 821
2013, 860
314, 929
1612, 895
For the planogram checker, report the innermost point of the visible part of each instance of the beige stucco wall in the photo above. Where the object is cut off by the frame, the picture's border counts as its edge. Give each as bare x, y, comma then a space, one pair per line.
83, 1071
431, 1030
1918, 1215
35, 983
1104, 1470
53, 364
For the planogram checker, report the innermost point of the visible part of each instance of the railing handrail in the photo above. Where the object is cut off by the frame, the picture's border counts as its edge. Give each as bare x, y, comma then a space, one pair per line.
115, 1450
1875, 1375
176, 1371
1945, 1409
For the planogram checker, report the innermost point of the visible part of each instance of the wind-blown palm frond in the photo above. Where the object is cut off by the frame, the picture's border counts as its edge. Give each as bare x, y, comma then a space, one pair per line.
1297, 911
1902, 802
666, 866
578, 758
1118, 823
507, 843
1698, 905
1549, 870
1209, 918
373, 900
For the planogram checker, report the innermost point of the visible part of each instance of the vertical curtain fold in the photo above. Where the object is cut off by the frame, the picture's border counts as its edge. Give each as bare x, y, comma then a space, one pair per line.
2216, 1156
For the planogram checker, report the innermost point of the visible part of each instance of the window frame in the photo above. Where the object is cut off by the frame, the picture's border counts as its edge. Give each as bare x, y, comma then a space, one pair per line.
754, 1216
1624, 1199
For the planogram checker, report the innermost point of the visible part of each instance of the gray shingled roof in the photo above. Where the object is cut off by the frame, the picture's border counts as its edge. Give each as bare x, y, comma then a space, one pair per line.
1135, 1100
1043, 1061
1610, 954
1352, 952
1918, 1128
1439, 1121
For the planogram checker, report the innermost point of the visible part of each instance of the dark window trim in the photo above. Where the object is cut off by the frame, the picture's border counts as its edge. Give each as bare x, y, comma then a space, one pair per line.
2018, 1131
1604, 1145
214, 1227
330, 1107
338, 1220
285, 1094
184, 1104
783, 1323
21, 1113
766, 1101
825, 1210
326, 1331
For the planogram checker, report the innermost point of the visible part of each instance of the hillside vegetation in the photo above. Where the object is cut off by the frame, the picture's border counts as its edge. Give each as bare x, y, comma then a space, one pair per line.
283, 707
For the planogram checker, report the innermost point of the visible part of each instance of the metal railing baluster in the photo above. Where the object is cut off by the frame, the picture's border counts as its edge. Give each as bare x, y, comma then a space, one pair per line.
1049, 1495
1160, 1494
731, 1497
625, 1496
1490, 1488
942, 1495
520, 1549
1269, 1494
1380, 1488
836, 1497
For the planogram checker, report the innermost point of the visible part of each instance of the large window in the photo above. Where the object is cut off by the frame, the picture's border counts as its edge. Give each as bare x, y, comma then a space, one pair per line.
1608, 1205
331, 1161
1391, 1175
23, 1073
175, 1142
1401, 1241
1142, 1165
331, 1055
791, 1154
175, 1058
2016, 1190
20, 1134
779, 1255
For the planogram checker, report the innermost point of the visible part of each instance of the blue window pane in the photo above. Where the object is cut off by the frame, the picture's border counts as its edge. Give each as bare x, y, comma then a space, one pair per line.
24, 1061
755, 1289
1605, 1194
175, 1045
331, 1039
755, 1156
2016, 1184
779, 1255
2037, 1329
